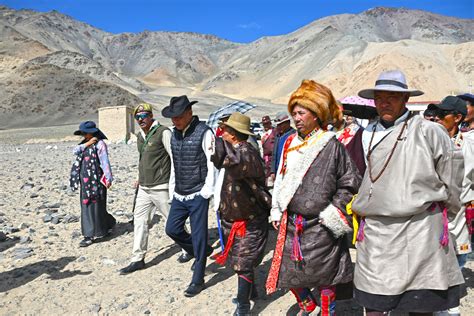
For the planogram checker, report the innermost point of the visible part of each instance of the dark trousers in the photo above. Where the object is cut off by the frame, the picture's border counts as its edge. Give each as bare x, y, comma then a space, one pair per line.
196, 243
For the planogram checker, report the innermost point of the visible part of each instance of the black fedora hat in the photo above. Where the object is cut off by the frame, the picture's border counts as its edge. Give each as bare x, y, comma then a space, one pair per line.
177, 106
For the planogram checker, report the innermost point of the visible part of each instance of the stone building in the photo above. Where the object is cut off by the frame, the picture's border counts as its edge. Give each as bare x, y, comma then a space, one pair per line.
117, 122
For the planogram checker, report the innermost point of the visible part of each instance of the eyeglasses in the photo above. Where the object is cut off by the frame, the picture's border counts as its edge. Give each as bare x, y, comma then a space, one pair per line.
141, 116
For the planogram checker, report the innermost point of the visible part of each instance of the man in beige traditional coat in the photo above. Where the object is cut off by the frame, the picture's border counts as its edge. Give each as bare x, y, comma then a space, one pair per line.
405, 258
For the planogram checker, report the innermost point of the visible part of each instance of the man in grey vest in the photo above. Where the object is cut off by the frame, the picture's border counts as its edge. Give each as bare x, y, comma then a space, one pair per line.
192, 181
154, 169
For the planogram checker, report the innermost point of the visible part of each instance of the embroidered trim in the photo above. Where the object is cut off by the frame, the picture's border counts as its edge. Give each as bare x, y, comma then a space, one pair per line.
291, 181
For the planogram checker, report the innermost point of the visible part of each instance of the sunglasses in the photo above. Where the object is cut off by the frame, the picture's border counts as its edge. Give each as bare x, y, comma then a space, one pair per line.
141, 116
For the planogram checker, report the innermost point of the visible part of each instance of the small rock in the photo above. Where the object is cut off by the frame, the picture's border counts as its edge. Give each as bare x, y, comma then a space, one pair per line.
34, 195
25, 239
27, 186
95, 308
22, 253
119, 213
76, 234
147, 312
31, 231
17, 274
50, 211
47, 218
69, 218
23, 226
56, 220
171, 299
53, 205
81, 259
10, 230
123, 306
3, 236
27, 204
108, 262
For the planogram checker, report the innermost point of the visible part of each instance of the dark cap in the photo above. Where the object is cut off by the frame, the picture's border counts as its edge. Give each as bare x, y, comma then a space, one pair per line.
467, 97
452, 103
266, 119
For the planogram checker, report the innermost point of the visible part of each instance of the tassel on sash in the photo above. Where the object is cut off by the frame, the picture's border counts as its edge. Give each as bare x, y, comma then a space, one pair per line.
355, 219
444, 238
296, 253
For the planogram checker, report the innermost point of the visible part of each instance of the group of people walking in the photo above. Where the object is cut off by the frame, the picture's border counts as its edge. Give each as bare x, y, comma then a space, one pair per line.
400, 189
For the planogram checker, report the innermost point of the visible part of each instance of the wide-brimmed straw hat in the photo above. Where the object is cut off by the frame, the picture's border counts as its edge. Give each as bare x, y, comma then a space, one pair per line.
392, 80
239, 122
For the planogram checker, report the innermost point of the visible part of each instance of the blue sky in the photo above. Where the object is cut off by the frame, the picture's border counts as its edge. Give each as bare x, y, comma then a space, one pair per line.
238, 21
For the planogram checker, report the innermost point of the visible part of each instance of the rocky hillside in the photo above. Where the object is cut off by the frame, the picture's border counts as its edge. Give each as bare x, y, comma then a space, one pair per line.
345, 52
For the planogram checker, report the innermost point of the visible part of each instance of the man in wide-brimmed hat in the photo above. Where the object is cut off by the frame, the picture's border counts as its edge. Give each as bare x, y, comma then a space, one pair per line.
244, 205
405, 258
192, 184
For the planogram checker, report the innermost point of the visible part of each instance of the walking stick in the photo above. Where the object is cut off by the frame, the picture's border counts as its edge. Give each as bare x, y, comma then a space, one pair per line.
219, 228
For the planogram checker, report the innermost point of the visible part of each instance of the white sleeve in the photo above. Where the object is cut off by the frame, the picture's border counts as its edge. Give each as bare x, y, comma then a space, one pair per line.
276, 211
208, 148
167, 144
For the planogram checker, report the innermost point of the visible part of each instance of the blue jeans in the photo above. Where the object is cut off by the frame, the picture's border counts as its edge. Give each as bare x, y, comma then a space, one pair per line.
195, 243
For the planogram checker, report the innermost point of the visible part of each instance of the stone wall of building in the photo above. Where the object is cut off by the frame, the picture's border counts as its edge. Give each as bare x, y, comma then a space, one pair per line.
117, 122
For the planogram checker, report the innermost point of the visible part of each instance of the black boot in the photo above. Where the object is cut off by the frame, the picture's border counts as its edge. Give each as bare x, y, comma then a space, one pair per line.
243, 296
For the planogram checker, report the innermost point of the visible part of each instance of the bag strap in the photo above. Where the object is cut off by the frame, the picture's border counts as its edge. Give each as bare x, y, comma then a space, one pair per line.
147, 138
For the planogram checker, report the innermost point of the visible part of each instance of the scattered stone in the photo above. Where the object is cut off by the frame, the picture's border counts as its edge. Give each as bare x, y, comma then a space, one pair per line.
147, 312
31, 231
17, 274
95, 308
56, 220
119, 213
76, 234
23, 226
50, 211
3, 236
53, 205
34, 195
123, 306
1, 221
27, 186
27, 204
10, 230
170, 299
81, 259
25, 239
22, 252
108, 262
69, 218
47, 218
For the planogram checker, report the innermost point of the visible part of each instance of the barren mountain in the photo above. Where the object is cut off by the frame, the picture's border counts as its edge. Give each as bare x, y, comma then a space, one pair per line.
43, 95
345, 52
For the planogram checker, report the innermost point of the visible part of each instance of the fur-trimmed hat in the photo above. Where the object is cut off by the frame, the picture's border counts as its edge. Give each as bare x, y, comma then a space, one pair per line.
318, 99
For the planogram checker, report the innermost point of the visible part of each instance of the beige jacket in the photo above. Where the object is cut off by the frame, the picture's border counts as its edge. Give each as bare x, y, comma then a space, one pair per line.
401, 250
